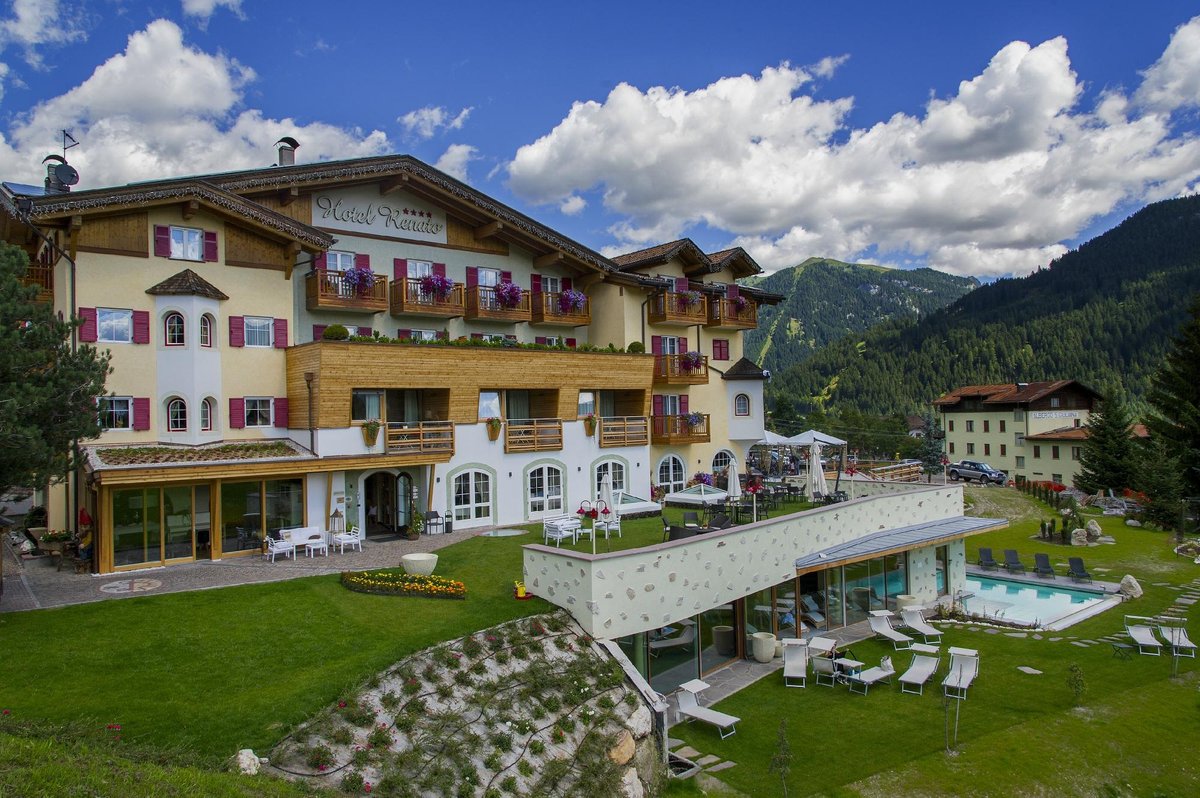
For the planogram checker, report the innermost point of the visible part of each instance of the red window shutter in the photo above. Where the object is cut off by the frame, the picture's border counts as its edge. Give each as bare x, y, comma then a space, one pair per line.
656, 346
506, 277
683, 404
566, 283
510, 337
402, 333
280, 326
720, 349
571, 343
535, 282
477, 336
682, 343
210, 246
366, 332
162, 241
472, 276
681, 284
658, 405
237, 413
237, 330
87, 330
439, 269
441, 335
399, 269
732, 291
141, 413
362, 261
318, 331
319, 262
281, 412
539, 339
141, 327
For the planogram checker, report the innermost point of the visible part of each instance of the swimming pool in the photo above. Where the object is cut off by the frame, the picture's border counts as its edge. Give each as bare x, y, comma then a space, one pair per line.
1032, 604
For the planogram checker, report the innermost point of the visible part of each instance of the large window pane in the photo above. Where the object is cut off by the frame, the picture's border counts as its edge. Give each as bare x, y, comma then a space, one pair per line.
137, 536
718, 637
177, 511
857, 591
285, 504
365, 405
241, 516
673, 655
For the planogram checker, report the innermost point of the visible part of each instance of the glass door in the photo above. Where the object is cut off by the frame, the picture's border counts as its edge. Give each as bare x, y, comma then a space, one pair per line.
718, 637
178, 535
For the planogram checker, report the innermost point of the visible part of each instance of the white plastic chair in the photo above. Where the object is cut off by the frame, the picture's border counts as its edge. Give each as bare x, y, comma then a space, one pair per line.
352, 538
279, 546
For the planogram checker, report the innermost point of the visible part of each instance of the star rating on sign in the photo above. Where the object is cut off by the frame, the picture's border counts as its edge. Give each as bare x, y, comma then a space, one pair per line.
420, 214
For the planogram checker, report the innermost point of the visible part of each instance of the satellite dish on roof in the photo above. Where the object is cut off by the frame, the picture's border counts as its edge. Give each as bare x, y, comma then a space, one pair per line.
66, 174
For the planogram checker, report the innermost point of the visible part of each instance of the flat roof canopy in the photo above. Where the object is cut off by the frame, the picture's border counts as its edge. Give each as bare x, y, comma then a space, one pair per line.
895, 540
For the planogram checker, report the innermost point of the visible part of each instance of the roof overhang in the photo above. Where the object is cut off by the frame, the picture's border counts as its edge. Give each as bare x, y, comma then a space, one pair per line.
894, 541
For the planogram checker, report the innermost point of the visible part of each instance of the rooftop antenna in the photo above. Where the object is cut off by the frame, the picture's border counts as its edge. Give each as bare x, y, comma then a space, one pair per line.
66, 136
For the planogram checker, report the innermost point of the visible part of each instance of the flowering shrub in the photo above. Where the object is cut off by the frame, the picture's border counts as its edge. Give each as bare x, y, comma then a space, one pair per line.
361, 280
508, 295
693, 419
394, 583
701, 478
57, 536
571, 301
688, 299
691, 360
740, 303
436, 285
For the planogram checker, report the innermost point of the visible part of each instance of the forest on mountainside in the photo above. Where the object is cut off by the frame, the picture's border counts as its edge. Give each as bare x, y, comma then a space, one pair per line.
829, 299
1103, 314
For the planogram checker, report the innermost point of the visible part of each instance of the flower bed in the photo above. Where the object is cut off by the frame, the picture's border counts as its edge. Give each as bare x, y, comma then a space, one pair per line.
395, 583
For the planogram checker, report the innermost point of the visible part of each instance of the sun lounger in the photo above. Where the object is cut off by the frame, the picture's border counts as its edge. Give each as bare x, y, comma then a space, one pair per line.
811, 611
795, 662
1143, 636
985, 559
924, 664
826, 671
1076, 570
964, 667
821, 646
883, 628
914, 620
1012, 563
690, 708
682, 640
864, 679
1041, 565
1177, 639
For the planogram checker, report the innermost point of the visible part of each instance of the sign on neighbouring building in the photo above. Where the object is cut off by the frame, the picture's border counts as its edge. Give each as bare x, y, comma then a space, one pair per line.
362, 210
1041, 414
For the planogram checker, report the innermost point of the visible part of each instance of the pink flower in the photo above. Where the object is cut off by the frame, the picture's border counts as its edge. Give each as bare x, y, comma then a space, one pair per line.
6, 712
341, 705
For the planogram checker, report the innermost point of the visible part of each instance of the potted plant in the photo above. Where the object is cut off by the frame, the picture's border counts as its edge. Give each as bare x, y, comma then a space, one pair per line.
571, 301
688, 299
691, 361
589, 424
370, 431
415, 526
693, 419
436, 286
508, 294
361, 280
493, 428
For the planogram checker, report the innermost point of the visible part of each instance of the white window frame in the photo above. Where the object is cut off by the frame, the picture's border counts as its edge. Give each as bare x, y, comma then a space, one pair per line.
549, 501
180, 329
187, 243
491, 405
106, 318
617, 469
741, 404
726, 459
176, 415
670, 404
423, 335
670, 345
587, 403
494, 337
207, 408
675, 481
474, 509
267, 326
105, 410
551, 285
206, 331
259, 402
339, 261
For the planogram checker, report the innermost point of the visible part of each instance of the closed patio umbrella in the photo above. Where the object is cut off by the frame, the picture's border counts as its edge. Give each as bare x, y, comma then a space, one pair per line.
605, 502
816, 475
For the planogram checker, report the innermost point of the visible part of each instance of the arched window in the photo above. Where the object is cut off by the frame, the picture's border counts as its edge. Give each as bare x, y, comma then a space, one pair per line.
206, 415
670, 474
741, 405
206, 330
721, 461
173, 330
177, 415
617, 469
473, 497
545, 494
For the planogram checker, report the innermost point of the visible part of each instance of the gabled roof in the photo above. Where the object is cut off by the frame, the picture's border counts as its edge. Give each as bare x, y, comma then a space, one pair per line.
744, 369
659, 254
1009, 393
737, 260
187, 283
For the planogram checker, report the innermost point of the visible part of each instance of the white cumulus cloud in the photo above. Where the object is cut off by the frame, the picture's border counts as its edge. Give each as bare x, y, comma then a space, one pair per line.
204, 9
572, 205
988, 181
35, 23
424, 123
455, 159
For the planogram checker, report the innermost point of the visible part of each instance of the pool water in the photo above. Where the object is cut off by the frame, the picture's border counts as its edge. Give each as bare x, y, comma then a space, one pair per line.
1024, 603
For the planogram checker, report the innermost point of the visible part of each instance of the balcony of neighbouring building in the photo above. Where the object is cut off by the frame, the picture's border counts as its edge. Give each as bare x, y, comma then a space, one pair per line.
410, 297
533, 435
486, 303
425, 438
624, 431
690, 368
568, 308
42, 277
679, 308
684, 428
737, 313
348, 290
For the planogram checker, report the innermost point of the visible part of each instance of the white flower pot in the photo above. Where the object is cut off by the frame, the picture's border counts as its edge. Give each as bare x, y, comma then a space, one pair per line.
419, 564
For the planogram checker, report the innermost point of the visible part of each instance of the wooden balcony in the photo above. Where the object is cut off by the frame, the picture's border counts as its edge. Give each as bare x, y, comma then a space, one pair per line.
672, 430
426, 438
679, 309
43, 278
624, 431
533, 435
673, 370
723, 314
408, 298
547, 309
482, 305
329, 290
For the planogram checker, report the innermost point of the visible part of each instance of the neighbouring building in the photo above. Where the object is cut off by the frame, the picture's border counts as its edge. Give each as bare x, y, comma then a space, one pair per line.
494, 371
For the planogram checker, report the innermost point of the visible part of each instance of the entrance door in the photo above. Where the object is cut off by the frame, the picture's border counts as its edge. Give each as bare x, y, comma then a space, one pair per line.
404, 499
545, 492
379, 494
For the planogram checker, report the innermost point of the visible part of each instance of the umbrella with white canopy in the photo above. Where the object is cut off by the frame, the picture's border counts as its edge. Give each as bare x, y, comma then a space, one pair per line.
812, 436
816, 474
605, 503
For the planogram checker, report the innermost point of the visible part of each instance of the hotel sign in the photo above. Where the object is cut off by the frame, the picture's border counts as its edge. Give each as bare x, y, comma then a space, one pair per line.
1039, 414
362, 210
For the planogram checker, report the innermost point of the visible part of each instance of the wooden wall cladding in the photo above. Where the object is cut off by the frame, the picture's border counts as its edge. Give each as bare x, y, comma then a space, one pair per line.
128, 234
244, 248
340, 367
462, 235
298, 208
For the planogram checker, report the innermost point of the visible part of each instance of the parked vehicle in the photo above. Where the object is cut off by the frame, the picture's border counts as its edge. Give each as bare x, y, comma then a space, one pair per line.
973, 469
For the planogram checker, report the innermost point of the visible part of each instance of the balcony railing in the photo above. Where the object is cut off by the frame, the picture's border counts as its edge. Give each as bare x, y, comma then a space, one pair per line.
332, 290
482, 304
409, 297
43, 278
548, 309
680, 370
678, 308
624, 431
421, 438
724, 314
678, 429
533, 435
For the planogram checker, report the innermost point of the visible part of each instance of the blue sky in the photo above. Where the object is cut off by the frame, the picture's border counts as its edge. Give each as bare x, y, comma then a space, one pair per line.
981, 143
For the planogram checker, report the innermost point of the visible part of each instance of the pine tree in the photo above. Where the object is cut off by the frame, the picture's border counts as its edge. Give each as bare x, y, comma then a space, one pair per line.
1161, 479
931, 449
1175, 401
1107, 460
47, 391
